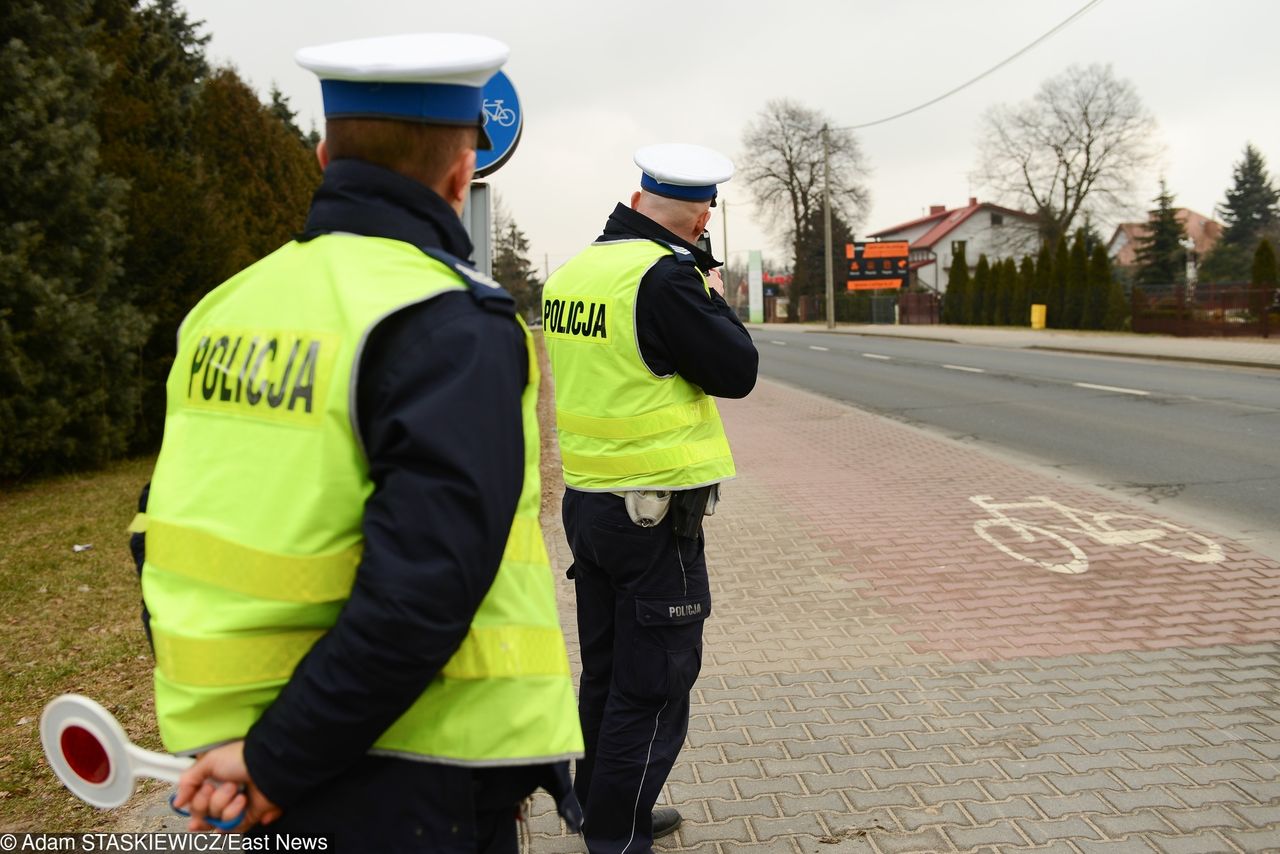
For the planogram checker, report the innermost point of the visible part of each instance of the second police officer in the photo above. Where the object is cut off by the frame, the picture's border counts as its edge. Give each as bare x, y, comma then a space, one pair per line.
640, 340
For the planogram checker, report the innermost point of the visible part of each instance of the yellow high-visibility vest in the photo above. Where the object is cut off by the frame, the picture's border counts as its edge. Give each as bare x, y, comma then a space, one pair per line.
254, 519
620, 425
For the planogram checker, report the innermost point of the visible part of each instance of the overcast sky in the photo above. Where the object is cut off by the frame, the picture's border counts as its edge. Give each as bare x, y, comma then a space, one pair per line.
597, 80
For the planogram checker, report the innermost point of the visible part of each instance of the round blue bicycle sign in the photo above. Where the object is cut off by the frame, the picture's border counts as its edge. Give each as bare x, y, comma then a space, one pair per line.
502, 121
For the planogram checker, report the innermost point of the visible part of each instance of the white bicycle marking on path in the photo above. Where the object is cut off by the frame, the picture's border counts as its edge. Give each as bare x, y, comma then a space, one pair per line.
1108, 529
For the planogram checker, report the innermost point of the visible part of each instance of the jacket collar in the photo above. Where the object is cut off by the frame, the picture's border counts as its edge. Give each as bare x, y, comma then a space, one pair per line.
625, 222
361, 198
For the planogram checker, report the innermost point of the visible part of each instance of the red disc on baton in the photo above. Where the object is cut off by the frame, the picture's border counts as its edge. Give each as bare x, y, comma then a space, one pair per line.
85, 754
90, 753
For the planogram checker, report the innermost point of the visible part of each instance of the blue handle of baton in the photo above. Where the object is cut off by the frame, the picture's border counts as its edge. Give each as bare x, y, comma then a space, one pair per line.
229, 824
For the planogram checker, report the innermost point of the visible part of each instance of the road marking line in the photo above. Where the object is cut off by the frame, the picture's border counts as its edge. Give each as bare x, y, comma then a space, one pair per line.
1138, 392
779, 343
816, 347
875, 356
963, 368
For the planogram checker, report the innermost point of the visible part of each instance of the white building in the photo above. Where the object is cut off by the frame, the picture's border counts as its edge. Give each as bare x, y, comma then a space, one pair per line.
983, 228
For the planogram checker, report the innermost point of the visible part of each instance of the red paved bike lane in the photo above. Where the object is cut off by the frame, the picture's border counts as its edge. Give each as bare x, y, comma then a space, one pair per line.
895, 505
880, 677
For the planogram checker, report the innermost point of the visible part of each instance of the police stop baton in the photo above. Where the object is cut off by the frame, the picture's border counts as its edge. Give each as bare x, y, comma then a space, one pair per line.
88, 750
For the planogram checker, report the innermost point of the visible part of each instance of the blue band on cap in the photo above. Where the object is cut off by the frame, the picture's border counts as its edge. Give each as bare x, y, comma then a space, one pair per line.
443, 102
704, 193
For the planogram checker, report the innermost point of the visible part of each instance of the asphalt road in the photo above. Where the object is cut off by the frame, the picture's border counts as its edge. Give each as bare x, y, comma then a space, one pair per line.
1202, 442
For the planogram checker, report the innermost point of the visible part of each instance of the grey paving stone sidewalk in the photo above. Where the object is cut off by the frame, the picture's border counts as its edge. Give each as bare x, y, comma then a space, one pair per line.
878, 679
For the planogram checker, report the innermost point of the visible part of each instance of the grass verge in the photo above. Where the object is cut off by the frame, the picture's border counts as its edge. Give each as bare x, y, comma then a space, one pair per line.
69, 621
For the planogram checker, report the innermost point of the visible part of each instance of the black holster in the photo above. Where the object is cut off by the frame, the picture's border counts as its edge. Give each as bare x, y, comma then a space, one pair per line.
688, 506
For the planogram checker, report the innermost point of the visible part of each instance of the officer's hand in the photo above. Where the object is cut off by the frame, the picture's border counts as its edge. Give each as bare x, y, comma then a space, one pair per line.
233, 793
715, 282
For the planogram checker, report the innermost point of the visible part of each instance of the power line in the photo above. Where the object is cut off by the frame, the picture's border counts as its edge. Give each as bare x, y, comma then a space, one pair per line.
1085, 8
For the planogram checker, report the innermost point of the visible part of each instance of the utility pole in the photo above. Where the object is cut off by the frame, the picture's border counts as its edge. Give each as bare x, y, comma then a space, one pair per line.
826, 227
724, 230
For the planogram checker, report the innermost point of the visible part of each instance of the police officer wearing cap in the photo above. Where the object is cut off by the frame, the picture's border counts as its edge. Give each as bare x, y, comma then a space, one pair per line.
640, 341
353, 613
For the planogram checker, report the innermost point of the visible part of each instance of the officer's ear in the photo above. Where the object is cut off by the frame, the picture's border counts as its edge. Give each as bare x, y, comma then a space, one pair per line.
703, 219
322, 154
456, 183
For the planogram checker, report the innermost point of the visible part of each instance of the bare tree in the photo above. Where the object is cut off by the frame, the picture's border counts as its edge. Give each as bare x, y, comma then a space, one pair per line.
1076, 148
783, 169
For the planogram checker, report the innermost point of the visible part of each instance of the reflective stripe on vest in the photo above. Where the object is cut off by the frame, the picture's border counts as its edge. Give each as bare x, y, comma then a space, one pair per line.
501, 652
619, 425
289, 578
254, 519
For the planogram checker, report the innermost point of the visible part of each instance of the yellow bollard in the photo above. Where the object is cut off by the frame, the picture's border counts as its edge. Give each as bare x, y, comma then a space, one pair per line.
1037, 316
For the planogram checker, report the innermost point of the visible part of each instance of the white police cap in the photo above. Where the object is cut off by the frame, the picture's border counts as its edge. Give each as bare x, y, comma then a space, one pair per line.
680, 171
432, 78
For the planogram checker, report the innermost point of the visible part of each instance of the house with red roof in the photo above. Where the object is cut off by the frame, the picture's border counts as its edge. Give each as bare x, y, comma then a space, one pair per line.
983, 228
1203, 231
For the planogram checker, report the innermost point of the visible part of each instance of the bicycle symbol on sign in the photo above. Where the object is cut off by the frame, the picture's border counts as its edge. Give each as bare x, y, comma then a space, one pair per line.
494, 110
1017, 536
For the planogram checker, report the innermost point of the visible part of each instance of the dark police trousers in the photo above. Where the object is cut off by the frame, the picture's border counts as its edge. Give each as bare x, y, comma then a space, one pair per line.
387, 804
642, 598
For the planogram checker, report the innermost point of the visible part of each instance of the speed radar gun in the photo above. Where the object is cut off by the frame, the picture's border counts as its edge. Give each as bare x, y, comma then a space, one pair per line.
88, 750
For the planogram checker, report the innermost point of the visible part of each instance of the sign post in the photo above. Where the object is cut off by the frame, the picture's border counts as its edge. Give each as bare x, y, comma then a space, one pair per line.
477, 219
755, 287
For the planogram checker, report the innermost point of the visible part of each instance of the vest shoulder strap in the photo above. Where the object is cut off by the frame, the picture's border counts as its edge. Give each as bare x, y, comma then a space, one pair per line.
490, 295
684, 256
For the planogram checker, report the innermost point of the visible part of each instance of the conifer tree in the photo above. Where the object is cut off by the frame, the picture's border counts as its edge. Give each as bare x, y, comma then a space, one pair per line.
511, 266
1118, 306
135, 181
1251, 211
68, 343
998, 313
1252, 203
956, 297
979, 292
286, 115
997, 309
1058, 289
1077, 283
1098, 290
809, 278
263, 173
1263, 279
1021, 315
1009, 300
1161, 258
145, 123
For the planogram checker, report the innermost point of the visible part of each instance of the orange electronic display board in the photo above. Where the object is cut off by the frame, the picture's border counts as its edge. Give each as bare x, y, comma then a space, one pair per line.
873, 266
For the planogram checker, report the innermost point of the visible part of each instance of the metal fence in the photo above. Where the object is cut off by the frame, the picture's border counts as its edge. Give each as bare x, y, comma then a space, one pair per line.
864, 307
1205, 309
